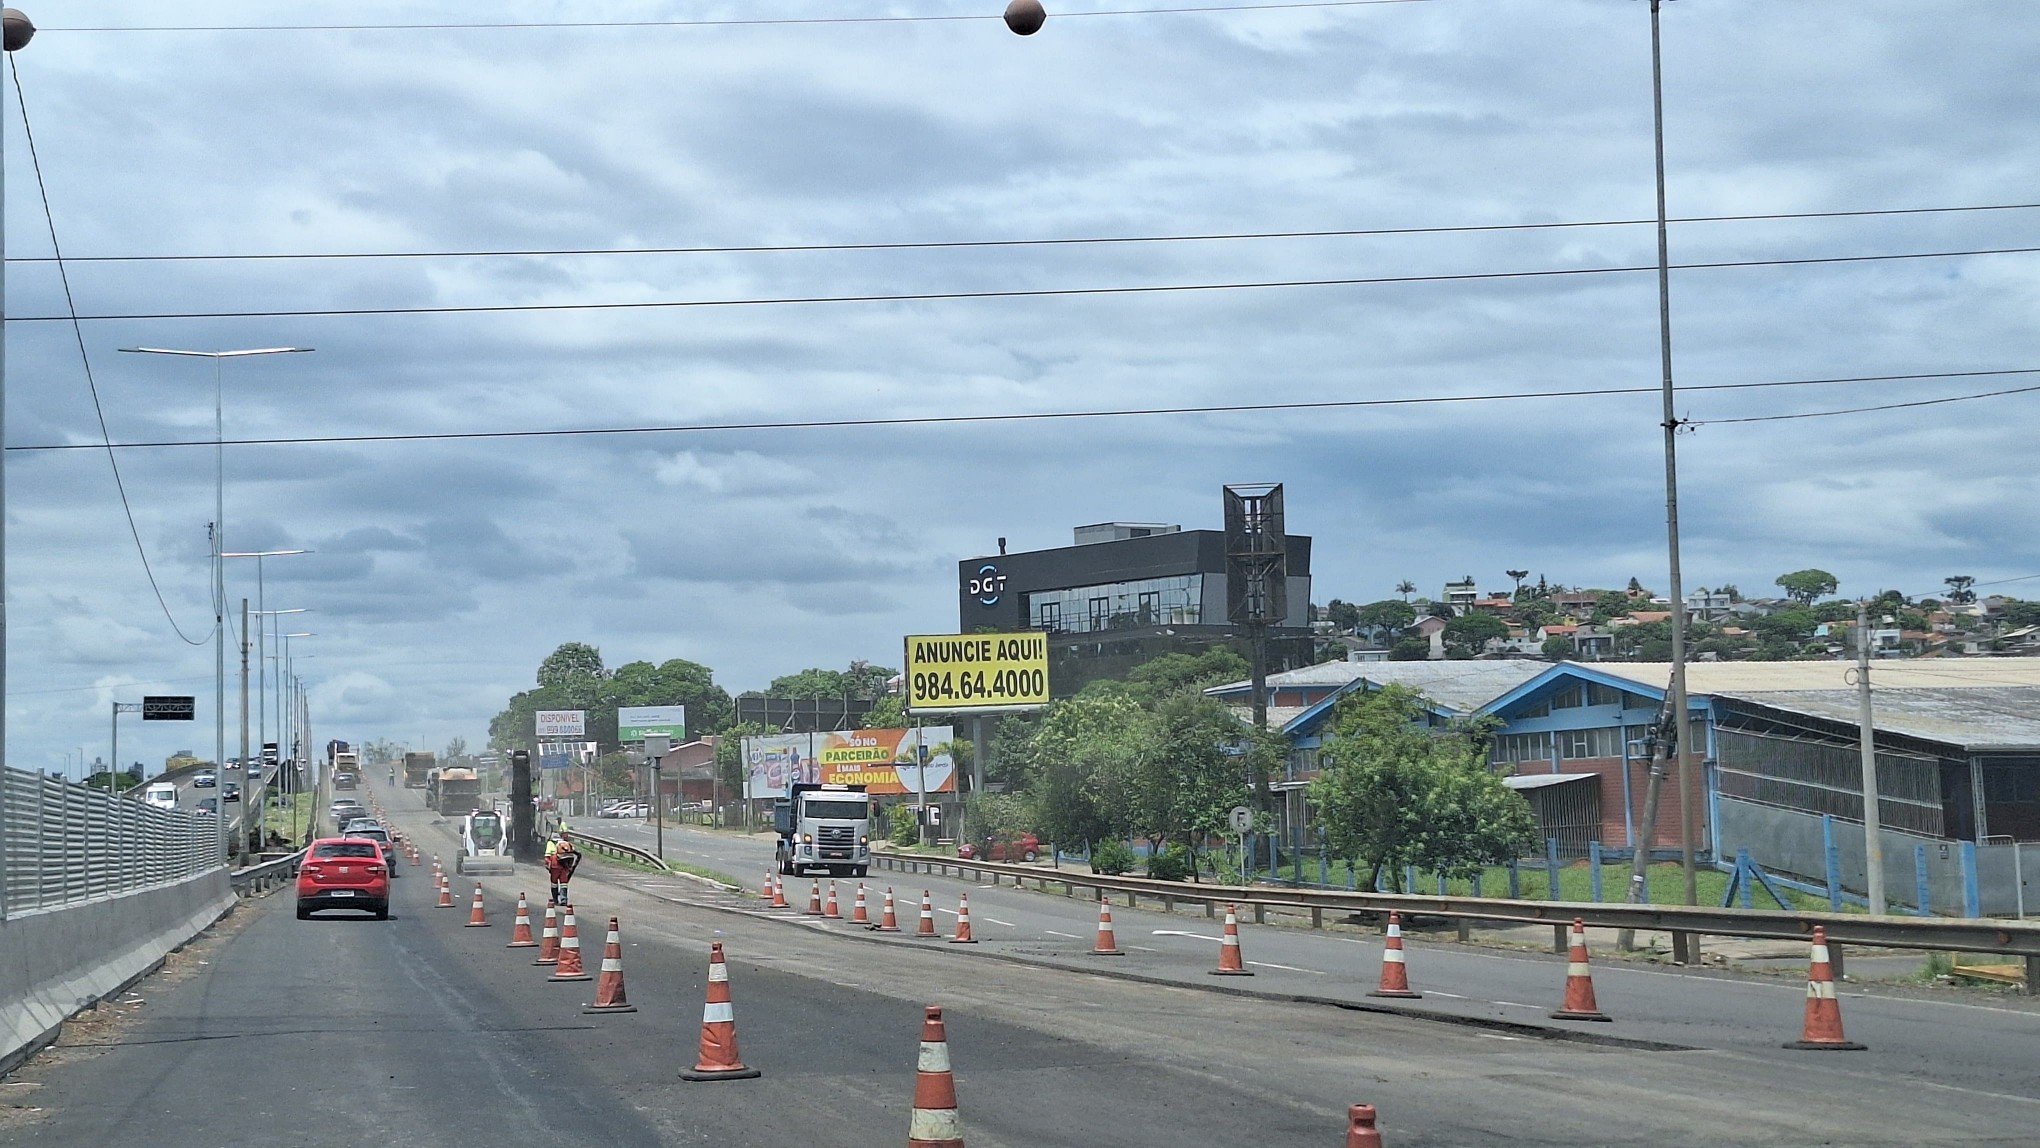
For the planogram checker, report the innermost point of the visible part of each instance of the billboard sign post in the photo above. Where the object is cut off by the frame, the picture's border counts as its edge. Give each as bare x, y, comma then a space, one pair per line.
637, 723
976, 673
886, 762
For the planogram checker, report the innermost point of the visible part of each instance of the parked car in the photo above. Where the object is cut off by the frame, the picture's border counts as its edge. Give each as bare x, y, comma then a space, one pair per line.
625, 809
205, 780
1026, 847
344, 873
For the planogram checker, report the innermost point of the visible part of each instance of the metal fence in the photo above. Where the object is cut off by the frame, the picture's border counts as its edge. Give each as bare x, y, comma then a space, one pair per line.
62, 844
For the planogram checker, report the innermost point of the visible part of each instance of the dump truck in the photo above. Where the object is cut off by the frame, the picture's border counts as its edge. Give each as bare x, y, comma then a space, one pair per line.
416, 766
453, 791
484, 845
823, 827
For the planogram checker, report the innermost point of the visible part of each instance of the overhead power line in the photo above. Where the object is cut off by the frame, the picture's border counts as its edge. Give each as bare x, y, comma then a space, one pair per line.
964, 244
1865, 410
736, 22
1020, 293
1009, 417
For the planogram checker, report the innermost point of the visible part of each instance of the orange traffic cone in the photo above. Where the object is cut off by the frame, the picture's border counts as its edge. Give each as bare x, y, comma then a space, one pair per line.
887, 921
934, 1123
830, 910
927, 926
569, 967
1579, 983
858, 914
1360, 1130
718, 1028
445, 894
1108, 945
770, 884
1823, 1029
609, 986
779, 893
814, 898
476, 919
520, 929
1229, 962
549, 939
963, 936
1395, 975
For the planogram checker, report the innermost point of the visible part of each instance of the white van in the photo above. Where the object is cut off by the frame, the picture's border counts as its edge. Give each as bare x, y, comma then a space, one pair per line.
162, 795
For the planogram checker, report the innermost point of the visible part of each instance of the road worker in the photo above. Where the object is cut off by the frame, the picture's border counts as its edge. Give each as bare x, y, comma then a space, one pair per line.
561, 858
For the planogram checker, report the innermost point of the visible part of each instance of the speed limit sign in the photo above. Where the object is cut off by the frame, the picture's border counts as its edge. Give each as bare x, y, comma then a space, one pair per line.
1240, 818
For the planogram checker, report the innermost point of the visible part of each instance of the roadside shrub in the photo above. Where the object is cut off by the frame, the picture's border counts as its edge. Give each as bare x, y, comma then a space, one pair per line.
1171, 864
1111, 858
905, 828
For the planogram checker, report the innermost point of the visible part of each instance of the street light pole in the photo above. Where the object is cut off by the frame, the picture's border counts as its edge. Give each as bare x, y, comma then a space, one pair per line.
15, 32
218, 538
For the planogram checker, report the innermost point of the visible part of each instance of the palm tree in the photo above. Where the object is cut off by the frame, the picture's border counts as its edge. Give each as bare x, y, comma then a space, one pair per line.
1518, 576
1406, 588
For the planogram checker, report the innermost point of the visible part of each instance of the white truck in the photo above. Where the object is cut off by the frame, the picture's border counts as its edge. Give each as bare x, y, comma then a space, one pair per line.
826, 827
484, 845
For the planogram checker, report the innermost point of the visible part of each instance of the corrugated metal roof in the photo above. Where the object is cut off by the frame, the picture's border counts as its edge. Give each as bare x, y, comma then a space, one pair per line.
1893, 673
1540, 780
1460, 686
1974, 718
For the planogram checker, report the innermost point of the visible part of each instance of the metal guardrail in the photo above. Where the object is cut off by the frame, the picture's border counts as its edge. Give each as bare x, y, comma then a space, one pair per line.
260, 878
605, 846
64, 844
1968, 935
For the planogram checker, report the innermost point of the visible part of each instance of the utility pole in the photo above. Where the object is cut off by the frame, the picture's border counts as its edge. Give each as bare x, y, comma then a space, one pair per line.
1653, 790
1866, 733
249, 775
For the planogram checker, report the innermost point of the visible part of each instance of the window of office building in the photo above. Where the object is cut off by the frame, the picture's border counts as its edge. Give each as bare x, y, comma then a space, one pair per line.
1511, 748
1578, 743
1176, 600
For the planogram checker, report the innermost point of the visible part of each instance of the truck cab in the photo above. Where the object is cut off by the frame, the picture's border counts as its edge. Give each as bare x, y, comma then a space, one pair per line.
823, 827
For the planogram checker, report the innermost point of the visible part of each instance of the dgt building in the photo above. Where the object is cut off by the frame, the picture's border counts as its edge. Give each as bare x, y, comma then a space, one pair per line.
1123, 594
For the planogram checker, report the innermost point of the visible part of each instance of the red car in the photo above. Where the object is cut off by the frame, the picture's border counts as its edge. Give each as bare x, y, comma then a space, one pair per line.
1026, 847
344, 873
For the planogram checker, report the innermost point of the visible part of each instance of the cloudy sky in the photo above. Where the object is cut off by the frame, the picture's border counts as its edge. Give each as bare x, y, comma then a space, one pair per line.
444, 570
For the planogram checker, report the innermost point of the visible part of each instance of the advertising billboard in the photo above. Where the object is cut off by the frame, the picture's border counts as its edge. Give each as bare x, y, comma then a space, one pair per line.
562, 723
636, 723
976, 673
883, 761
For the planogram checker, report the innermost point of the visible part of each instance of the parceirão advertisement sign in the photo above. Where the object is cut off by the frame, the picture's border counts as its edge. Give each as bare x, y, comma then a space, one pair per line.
636, 723
883, 761
976, 673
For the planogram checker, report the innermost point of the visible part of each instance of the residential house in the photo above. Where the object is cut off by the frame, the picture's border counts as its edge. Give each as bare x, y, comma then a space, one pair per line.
1460, 596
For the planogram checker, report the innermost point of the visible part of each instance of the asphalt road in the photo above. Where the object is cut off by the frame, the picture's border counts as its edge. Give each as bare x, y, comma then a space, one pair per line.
418, 1030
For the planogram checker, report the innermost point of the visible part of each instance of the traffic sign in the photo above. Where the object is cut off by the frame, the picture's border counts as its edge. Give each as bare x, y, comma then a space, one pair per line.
169, 708
1240, 818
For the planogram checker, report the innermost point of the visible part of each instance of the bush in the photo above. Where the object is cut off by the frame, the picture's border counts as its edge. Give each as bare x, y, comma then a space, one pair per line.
1171, 864
1111, 858
906, 828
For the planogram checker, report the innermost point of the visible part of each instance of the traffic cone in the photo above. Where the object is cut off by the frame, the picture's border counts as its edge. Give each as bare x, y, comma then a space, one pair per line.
1823, 1029
770, 884
569, 967
549, 939
718, 1028
1229, 962
963, 936
927, 926
520, 929
1395, 975
887, 921
831, 910
814, 898
445, 894
1360, 1131
779, 893
1579, 983
934, 1123
1108, 945
858, 915
609, 986
476, 919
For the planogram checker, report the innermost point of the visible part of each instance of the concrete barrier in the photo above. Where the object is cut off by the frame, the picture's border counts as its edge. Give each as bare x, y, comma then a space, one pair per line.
58, 961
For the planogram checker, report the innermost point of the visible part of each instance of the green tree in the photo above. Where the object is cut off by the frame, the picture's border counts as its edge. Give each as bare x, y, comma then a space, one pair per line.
570, 661
1343, 615
1472, 632
1558, 647
1079, 748
1187, 673
860, 680
457, 748
1393, 792
1786, 626
1386, 617
1411, 649
1959, 591
1406, 588
888, 712
1804, 586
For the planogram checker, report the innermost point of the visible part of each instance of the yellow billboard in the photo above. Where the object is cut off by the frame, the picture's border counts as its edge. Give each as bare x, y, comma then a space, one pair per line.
976, 673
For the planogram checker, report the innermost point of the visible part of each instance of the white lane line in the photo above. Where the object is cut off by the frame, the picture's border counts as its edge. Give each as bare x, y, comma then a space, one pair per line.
996, 921
1146, 949
1453, 996
1180, 933
1286, 968
1513, 1004
1071, 936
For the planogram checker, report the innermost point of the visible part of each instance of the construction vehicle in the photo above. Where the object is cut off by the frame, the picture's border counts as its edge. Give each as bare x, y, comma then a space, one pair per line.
346, 767
416, 766
823, 827
484, 845
453, 791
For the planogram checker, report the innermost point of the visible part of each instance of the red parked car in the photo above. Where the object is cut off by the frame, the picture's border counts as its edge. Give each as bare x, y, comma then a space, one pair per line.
1026, 847
344, 873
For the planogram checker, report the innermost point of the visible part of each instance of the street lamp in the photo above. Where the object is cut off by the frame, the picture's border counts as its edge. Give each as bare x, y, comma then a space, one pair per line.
219, 534
262, 611
15, 32
287, 725
262, 705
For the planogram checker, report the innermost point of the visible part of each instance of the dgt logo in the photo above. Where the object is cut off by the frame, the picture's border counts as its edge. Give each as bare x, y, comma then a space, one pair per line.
987, 585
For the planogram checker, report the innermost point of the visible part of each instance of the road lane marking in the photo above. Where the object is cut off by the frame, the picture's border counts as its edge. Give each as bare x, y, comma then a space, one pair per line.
996, 921
1436, 993
1071, 936
1180, 933
1286, 968
1513, 1004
